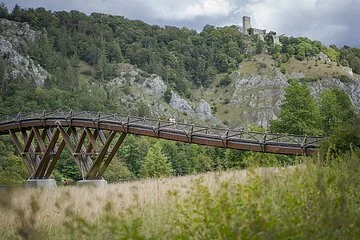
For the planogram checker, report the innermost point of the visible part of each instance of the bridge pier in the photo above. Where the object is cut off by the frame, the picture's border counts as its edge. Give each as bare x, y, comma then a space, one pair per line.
92, 183
41, 183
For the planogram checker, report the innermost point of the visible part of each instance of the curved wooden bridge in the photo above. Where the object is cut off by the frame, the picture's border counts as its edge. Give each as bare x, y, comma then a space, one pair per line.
92, 139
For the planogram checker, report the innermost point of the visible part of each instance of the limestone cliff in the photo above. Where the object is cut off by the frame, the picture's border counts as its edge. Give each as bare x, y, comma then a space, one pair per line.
14, 38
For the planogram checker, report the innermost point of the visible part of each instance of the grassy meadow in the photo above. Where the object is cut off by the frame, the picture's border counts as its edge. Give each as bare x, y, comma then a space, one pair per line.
314, 200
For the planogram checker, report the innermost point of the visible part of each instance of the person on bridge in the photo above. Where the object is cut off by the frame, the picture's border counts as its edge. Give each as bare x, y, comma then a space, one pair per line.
172, 122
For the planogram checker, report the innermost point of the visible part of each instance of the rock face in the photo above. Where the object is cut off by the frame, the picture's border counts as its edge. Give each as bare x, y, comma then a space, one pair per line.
14, 38
258, 97
19, 34
180, 104
133, 77
352, 88
154, 86
203, 110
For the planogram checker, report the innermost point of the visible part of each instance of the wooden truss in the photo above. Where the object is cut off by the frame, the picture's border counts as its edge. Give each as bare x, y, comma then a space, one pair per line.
92, 150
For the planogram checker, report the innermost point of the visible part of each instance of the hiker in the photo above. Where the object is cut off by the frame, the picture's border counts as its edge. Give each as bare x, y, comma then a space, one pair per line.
172, 122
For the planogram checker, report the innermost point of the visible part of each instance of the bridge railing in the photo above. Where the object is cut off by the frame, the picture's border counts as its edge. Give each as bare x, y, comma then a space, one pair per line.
158, 125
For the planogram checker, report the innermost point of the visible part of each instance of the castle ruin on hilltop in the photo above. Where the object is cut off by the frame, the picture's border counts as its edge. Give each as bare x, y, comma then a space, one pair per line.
248, 30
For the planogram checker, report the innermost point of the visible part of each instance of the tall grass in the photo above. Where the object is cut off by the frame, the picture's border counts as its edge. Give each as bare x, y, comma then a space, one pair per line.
315, 200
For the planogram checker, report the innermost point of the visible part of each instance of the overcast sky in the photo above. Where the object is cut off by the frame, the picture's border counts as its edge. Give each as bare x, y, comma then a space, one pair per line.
330, 21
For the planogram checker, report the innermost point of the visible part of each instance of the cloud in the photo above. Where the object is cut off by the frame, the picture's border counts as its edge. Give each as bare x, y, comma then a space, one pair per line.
330, 21
202, 8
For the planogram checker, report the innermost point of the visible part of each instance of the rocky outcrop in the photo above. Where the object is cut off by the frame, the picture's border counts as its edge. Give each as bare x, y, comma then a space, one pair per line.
154, 86
20, 66
180, 104
19, 34
352, 88
258, 97
14, 38
131, 76
203, 110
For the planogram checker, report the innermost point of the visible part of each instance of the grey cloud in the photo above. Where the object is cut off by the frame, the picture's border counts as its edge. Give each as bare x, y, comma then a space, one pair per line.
330, 21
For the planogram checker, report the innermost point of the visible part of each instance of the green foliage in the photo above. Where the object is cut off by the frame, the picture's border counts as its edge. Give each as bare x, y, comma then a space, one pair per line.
314, 202
343, 139
178, 55
12, 170
133, 152
156, 164
66, 166
225, 81
340, 122
167, 95
117, 171
332, 53
336, 109
299, 114
350, 57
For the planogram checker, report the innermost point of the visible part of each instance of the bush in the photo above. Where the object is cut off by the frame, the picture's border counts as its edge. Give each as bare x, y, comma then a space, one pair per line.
167, 95
299, 57
225, 81
282, 70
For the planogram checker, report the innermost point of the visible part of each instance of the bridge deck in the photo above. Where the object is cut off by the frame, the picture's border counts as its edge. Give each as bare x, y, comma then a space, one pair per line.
224, 138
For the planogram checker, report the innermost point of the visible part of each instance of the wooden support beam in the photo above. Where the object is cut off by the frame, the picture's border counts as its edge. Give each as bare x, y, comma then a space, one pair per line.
80, 150
102, 136
111, 155
40, 139
19, 148
29, 147
92, 139
27, 139
55, 158
80, 141
71, 149
95, 168
44, 163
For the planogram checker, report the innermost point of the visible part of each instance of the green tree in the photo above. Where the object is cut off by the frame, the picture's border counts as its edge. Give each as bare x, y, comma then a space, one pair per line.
117, 171
3, 10
299, 113
133, 152
336, 109
156, 164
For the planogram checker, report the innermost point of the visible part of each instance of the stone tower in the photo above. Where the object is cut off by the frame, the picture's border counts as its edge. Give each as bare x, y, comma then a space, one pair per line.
246, 24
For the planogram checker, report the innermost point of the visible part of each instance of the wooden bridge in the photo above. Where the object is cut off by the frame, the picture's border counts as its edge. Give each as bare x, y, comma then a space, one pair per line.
93, 138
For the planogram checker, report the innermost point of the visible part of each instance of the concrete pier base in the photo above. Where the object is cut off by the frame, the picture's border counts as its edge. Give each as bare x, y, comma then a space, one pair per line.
93, 183
41, 183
